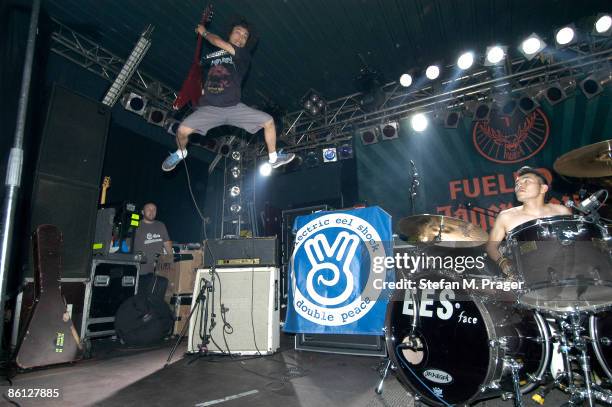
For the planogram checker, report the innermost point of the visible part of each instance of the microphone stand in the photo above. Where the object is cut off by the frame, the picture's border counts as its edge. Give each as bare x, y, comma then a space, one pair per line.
483, 211
198, 304
413, 187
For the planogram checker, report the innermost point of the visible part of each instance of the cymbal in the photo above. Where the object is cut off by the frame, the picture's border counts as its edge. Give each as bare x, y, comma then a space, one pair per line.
594, 160
442, 231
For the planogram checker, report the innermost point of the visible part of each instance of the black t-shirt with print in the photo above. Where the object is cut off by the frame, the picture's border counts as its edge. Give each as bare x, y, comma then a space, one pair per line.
224, 74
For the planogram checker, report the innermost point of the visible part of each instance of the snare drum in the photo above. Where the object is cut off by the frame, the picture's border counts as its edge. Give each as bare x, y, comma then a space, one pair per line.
454, 351
564, 263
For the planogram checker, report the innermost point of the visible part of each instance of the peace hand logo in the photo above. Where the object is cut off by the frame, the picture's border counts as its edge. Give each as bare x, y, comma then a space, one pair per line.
337, 258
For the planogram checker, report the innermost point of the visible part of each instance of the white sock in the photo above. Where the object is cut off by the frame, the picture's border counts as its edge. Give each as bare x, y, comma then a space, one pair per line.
182, 153
273, 157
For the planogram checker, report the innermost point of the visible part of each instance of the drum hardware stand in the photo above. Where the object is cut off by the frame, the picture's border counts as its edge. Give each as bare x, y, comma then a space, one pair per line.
202, 297
413, 187
412, 344
385, 372
591, 391
514, 367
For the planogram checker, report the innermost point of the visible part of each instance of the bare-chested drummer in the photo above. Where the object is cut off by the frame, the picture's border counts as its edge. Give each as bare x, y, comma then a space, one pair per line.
530, 189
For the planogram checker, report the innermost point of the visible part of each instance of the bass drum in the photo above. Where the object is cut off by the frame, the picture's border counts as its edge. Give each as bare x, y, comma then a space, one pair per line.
600, 327
453, 351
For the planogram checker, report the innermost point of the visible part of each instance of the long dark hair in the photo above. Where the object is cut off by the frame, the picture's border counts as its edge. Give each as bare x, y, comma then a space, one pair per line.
239, 21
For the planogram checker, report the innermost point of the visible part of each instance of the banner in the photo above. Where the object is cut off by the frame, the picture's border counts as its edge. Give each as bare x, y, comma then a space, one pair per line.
468, 172
334, 287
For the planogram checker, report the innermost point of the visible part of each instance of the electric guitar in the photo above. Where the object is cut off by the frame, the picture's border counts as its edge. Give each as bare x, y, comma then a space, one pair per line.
192, 87
105, 185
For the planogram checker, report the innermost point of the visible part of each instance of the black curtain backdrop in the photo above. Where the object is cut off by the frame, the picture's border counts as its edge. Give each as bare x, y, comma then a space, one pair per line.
457, 180
134, 164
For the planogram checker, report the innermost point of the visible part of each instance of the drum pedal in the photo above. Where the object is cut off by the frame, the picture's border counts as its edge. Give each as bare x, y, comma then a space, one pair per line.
540, 395
538, 399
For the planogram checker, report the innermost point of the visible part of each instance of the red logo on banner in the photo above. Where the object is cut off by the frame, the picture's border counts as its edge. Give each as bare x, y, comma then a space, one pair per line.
508, 140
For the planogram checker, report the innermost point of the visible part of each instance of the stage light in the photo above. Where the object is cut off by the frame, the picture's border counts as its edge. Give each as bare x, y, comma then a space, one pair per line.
495, 54
313, 103
432, 72
330, 155
134, 103
565, 36
156, 116
603, 25
465, 60
389, 131
509, 107
527, 104
236, 155
592, 85
406, 80
556, 93
419, 122
345, 151
312, 159
265, 169
235, 172
171, 126
451, 121
531, 46
482, 112
369, 136
235, 208
234, 191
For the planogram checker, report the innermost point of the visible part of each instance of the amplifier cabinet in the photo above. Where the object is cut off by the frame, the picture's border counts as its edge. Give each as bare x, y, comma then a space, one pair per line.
256, 252
180, 274
247, 298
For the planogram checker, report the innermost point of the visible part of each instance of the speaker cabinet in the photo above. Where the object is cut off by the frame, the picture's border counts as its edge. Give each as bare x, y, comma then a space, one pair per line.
68, 172
247, 299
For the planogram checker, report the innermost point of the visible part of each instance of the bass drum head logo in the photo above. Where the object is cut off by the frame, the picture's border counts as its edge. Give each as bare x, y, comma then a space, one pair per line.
507, 140
334, 254
438, 376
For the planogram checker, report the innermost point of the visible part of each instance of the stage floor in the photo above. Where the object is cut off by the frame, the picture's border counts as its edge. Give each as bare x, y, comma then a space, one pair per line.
125, 377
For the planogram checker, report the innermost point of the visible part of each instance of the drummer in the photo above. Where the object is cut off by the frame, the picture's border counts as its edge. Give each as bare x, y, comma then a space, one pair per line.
530, 188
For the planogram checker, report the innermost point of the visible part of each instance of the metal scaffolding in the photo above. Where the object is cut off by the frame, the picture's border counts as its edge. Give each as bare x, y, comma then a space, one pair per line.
343, 116
91, 56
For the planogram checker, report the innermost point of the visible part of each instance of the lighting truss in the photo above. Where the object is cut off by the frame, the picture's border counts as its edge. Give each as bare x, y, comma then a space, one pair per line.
138, 53
344, 116
91, 56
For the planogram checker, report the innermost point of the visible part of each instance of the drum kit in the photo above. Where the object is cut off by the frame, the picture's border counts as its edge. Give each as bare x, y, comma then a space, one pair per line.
459, 346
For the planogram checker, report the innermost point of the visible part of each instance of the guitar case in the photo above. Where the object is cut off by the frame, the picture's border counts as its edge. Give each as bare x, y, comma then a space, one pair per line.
50, 337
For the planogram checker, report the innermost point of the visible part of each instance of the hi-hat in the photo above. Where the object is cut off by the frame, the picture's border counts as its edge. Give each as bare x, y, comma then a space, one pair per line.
442, 231
590, 161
